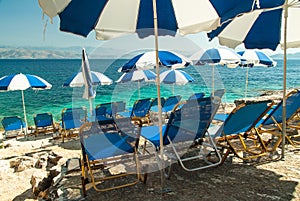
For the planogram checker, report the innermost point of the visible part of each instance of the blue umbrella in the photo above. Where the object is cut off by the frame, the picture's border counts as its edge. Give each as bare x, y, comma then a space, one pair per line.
251, 58
76, 80
147, 60
22, 82
265, 28
217, 56
138, 16
178, 77
137, 76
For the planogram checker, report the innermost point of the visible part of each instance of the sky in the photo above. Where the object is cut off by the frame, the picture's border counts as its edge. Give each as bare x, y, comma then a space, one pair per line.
22, 24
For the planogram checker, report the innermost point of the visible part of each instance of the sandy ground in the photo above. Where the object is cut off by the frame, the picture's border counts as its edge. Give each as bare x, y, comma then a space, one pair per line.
262, 179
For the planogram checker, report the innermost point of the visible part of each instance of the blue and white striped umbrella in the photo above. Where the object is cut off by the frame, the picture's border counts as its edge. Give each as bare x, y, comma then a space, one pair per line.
251, 58
256, 58
137, 76
22, 82
217, 56
175, 77
97, 79
147, 60
114, 18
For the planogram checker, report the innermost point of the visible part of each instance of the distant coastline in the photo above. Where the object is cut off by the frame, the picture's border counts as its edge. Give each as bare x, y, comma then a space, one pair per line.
10, 52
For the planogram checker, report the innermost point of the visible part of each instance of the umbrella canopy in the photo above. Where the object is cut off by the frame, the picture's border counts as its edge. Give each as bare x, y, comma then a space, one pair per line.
137, 76
137, 16
265, 28
147, 60
178, 77
262, 28
251, 58
22, 82
77, 80
217, 56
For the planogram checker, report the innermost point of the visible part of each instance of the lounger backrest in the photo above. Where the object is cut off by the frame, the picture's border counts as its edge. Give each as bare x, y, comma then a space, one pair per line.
73, 117
119, 106
219, 93
245, 117
292, 106
141, 107
196, 96
191, 121
170, 103
12, 123
162, 101
111, 144
43, 120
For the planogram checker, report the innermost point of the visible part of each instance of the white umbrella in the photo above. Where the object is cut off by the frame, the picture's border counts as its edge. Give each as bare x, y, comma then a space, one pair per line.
217, 56
137, 76
22, 82
178, 77
251, 58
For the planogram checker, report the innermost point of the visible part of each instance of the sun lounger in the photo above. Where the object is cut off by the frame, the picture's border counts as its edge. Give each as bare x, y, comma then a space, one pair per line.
13, 126
105, 152
186, 131
72, 119
44, 123
236, 134
140, 110
273, 123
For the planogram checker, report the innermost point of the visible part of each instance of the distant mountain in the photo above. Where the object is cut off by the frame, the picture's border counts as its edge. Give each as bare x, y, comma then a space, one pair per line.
74, 52
289, 56
32, 53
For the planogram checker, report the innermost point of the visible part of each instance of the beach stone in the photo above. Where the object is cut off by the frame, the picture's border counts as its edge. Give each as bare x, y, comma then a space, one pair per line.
21, 163
73, 164
35, 180
53, 158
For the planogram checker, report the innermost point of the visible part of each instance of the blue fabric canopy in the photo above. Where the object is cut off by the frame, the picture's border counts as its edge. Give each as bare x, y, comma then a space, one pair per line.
111, 18
147, 60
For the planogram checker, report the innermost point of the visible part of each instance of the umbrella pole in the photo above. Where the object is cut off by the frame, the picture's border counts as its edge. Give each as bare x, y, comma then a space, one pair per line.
25, 118
284, 82
173, 89
139, 89
91, 109
158, 97
213, 80
246, 87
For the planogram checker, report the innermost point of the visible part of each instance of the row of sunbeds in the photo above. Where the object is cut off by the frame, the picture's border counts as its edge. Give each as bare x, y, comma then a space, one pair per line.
73, 118
189, 135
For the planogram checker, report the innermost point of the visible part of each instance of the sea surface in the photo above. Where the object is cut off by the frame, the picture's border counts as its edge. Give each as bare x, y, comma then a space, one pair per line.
56, 72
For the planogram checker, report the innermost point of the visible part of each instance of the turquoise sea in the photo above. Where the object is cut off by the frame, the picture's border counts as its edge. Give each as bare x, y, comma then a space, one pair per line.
57, 72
